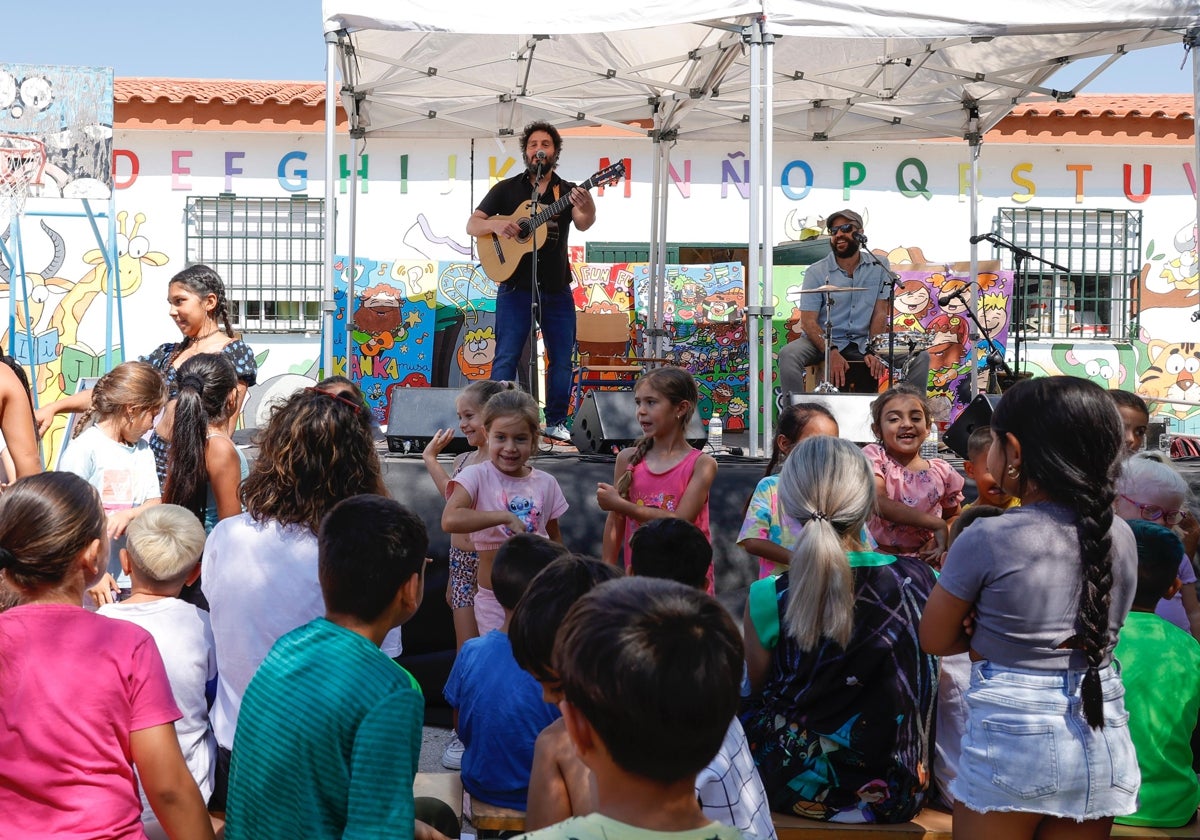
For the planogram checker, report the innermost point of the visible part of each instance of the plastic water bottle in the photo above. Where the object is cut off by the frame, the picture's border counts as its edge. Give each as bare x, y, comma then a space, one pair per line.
716, 432
929, 447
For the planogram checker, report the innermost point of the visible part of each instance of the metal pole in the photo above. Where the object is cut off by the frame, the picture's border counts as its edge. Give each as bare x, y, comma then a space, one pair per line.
330, 221
975, 139
649, 340
768, 252
754, 238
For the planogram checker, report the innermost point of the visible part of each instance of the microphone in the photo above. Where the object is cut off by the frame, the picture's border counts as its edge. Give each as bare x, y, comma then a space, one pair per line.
860, 237
979, 237
541, 156
946, 298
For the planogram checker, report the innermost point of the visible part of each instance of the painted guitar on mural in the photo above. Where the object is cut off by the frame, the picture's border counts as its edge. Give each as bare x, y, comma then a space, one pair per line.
500, 256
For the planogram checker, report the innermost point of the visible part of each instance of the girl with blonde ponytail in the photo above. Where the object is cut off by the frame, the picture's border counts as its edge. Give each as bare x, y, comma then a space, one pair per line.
841, 707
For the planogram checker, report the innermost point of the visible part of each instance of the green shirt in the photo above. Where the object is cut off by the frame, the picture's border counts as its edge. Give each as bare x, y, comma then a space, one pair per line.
1160, 667
328, 740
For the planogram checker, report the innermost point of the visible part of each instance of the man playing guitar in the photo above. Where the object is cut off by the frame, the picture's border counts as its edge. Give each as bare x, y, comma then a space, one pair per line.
541, 145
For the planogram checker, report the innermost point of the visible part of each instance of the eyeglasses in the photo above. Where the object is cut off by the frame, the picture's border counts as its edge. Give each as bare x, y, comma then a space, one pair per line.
1154, 513
847, 227
357, 406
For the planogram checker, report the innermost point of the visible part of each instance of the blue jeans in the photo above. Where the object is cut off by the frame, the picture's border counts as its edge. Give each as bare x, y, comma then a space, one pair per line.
557, 322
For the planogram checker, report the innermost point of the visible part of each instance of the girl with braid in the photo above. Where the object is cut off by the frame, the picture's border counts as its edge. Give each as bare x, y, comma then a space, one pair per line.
199, 308
661, 475
1037, 596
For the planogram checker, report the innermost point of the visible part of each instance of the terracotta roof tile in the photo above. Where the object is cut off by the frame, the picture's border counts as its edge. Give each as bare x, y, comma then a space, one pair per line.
1169, 106
227, 91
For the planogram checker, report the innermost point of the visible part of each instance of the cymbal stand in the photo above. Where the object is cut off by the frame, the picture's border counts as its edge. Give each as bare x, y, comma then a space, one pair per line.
827, 387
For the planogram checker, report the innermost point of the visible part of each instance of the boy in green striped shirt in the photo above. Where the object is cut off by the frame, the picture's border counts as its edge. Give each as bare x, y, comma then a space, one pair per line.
329, 733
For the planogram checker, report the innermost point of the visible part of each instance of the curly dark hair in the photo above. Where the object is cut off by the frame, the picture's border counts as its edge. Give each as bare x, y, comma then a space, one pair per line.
541, 125
313, 453
1071, 439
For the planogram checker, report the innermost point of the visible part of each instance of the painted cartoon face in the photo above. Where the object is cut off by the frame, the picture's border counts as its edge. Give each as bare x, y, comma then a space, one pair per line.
190, 312
510, 444
994, 320
480, 351
914, 299
470, 421
903, 426
378, 313
961, 302
737, 407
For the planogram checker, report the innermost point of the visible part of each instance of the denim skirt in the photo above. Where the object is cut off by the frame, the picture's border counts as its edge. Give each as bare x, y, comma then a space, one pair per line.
1028, 747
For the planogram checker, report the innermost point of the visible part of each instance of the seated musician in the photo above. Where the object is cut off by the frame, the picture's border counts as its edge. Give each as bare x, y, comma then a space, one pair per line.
856, 315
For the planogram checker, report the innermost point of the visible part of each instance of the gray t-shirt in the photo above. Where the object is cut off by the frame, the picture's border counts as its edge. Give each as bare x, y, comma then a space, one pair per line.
1022, 572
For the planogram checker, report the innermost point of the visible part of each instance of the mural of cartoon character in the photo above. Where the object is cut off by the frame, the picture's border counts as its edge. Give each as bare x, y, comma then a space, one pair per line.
378, 323
74, 360
31, 299
477, 352
1172, 375
1183, 272
1108, 365
993, 314
735, 421
524, 510
913, 301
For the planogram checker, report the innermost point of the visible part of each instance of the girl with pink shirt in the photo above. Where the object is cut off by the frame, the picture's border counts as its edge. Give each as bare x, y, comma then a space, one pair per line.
503, 496
661, 475
84, 699
916, 496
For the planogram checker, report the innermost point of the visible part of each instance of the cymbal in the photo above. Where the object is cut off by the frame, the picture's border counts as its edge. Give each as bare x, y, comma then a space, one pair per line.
831, 289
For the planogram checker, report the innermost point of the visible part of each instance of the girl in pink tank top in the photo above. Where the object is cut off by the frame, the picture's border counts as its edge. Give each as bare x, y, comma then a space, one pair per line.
662, 475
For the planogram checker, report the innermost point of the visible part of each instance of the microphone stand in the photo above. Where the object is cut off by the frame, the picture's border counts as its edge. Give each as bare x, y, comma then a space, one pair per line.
1020, 270
535, 292
893, 279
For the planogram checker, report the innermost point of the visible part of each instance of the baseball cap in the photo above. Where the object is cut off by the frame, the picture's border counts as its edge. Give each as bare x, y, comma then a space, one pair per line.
848, 215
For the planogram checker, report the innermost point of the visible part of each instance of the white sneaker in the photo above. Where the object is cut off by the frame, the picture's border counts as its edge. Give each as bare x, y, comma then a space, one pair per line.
558, 432
452, 756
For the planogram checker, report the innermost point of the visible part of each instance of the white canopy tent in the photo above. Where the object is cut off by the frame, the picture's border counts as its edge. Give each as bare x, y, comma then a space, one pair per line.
742, 69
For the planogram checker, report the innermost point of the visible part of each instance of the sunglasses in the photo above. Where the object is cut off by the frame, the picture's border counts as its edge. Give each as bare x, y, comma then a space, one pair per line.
846, 227
358, 407
1153, 513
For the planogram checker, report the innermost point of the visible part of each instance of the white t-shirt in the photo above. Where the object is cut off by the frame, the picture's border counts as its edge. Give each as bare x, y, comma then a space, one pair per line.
260, 579
124, 476
185, 641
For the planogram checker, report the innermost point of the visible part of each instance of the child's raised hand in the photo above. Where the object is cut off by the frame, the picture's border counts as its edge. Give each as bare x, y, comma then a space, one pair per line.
105, 592
607, 496
437, 443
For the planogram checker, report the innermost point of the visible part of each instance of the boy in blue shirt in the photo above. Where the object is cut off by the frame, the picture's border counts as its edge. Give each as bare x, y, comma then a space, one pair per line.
500, 707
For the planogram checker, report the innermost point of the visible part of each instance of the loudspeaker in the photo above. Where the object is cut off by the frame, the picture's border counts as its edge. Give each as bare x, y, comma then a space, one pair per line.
977, 413
606, 423
416, 414
852, 412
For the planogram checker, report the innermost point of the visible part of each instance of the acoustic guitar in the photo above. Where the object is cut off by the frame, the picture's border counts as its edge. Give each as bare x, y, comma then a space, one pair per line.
500, 256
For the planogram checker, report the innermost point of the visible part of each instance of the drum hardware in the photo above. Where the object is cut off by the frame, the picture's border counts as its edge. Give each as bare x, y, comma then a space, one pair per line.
827, 387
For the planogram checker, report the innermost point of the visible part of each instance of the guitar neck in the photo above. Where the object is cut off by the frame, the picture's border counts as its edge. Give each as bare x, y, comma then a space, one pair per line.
552, 210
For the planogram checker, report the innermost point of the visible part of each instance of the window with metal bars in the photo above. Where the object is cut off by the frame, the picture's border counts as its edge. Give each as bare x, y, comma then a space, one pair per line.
269, 251
1099, 295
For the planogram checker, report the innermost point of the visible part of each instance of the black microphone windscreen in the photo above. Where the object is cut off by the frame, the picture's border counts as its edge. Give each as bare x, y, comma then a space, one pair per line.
979, 237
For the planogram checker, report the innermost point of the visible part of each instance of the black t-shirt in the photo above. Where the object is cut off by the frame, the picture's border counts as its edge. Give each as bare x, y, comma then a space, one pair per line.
554, 272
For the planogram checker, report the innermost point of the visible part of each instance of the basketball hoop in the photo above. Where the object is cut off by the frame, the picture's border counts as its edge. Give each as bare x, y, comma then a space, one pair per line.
22, 162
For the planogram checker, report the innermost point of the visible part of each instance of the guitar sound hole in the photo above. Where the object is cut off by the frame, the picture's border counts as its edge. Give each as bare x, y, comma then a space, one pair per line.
524, 234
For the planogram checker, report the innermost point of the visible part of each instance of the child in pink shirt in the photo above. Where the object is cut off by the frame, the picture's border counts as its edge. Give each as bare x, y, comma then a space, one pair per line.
504, 495
662, 475
916, 496
83, 699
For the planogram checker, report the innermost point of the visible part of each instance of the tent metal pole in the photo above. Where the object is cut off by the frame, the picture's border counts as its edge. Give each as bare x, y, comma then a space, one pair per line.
351, 223
649, 340
330, 237
768, 251
660, 259
975, 141
754, 239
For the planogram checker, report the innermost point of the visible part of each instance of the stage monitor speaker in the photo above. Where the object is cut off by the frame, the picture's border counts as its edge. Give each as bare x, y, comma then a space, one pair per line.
977, 413
416, 414
606, 423
852, 412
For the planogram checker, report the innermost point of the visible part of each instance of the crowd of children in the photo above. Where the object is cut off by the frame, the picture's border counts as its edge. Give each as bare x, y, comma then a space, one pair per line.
602, 697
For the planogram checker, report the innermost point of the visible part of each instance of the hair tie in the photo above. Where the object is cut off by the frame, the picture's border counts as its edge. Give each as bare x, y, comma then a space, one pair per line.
194, 381
819, 514
7, 558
